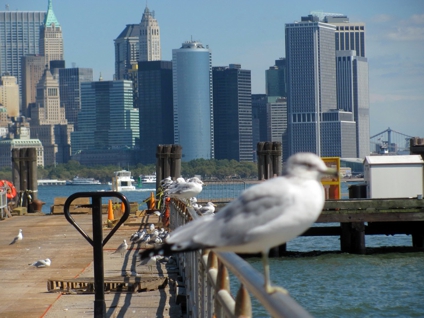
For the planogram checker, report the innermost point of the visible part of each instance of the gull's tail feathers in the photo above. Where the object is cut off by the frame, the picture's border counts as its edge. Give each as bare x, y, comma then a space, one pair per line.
14, 241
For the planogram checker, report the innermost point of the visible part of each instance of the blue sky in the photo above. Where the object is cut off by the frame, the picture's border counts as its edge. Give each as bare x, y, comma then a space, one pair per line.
251, 33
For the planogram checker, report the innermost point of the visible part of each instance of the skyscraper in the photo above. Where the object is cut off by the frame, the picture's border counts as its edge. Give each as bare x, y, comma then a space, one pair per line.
155, 107
9, 94
19, 35
126, 50
193, 102
353, 96
48, 121
259, 118
232, 113
311, 82
51, 39
33, 67
352, 77
319, 72
276, 118
275, 78
149, 37
107, 119
70, 80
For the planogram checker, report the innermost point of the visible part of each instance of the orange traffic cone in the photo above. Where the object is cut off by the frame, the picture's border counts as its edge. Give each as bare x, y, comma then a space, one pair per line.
110, 215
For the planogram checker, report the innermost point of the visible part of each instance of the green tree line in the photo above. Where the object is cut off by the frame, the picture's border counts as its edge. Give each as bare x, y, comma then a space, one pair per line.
207, 169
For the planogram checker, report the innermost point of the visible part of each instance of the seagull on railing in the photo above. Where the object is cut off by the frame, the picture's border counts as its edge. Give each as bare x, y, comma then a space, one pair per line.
207, 209
185, 190
263, 216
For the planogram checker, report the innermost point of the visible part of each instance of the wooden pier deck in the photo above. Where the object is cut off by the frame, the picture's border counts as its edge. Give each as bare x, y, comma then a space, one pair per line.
23, 288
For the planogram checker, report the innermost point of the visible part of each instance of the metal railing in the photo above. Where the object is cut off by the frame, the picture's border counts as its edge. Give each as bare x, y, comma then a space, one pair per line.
3, 202
207, 283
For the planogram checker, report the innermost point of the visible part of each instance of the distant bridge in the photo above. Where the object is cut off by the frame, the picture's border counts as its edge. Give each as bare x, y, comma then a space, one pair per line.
390, 141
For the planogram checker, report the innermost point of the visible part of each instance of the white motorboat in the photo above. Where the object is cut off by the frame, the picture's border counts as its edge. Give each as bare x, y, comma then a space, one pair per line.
145, 180
82, 181
149, 178
122, 181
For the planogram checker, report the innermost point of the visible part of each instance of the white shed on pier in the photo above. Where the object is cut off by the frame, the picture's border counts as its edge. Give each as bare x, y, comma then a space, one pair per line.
393, 176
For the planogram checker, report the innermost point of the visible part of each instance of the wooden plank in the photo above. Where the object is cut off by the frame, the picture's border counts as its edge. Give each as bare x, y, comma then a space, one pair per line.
370, 216
85, 285
77, 201
363, 204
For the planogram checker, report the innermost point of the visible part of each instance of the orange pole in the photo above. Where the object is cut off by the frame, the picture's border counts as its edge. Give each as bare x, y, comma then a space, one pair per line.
152, 201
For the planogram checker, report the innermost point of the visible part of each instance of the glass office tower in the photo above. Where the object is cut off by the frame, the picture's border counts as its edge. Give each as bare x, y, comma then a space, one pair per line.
193, 102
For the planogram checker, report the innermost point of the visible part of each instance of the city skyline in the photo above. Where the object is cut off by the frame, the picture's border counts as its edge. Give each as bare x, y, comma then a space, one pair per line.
253, 36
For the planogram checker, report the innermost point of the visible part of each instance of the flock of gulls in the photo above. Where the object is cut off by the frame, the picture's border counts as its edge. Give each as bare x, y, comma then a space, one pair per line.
40, 263
265, 215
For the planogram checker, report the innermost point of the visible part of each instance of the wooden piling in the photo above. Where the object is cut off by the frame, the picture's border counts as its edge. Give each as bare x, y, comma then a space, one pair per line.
269, 159
168, 162
24, 175
32, 176
260, 155
15, 170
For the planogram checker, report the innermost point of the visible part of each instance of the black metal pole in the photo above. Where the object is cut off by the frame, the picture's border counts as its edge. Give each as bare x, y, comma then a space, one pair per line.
99, 293
97, 242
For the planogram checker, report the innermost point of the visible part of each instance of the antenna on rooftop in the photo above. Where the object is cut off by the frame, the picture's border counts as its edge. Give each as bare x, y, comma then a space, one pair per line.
7, 7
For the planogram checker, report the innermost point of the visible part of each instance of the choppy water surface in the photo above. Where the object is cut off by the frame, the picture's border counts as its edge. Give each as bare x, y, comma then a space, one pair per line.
334, 284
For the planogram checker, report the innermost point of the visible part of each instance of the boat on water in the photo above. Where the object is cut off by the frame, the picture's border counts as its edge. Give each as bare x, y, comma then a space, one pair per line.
49, 182
122, 181
148, 179
82, 181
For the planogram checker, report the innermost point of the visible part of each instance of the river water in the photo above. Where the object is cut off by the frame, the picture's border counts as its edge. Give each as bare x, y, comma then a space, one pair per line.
386, 282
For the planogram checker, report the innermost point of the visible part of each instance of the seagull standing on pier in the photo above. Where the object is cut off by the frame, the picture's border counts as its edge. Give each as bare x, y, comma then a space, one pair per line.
17, 238
121, 248
263, 216
42, 263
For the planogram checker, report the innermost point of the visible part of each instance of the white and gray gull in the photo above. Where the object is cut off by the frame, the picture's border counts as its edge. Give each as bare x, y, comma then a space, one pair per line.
263, 216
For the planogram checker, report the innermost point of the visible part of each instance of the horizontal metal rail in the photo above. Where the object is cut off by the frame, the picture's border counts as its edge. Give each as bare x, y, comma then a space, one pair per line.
207, 282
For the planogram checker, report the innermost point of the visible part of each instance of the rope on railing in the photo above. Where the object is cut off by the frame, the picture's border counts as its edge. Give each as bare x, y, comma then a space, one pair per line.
207, 282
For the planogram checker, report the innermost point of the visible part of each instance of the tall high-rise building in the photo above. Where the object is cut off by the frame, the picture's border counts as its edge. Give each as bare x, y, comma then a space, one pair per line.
33, 67
9, 94
275, 79
48, 121
232, 113
19, 36
155, 107
320, 72
70, 80
353, 96
276, 118
193, 101
311, 82
107, 119
259, 118
149, 37
137, 42
127, 46
51, 39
